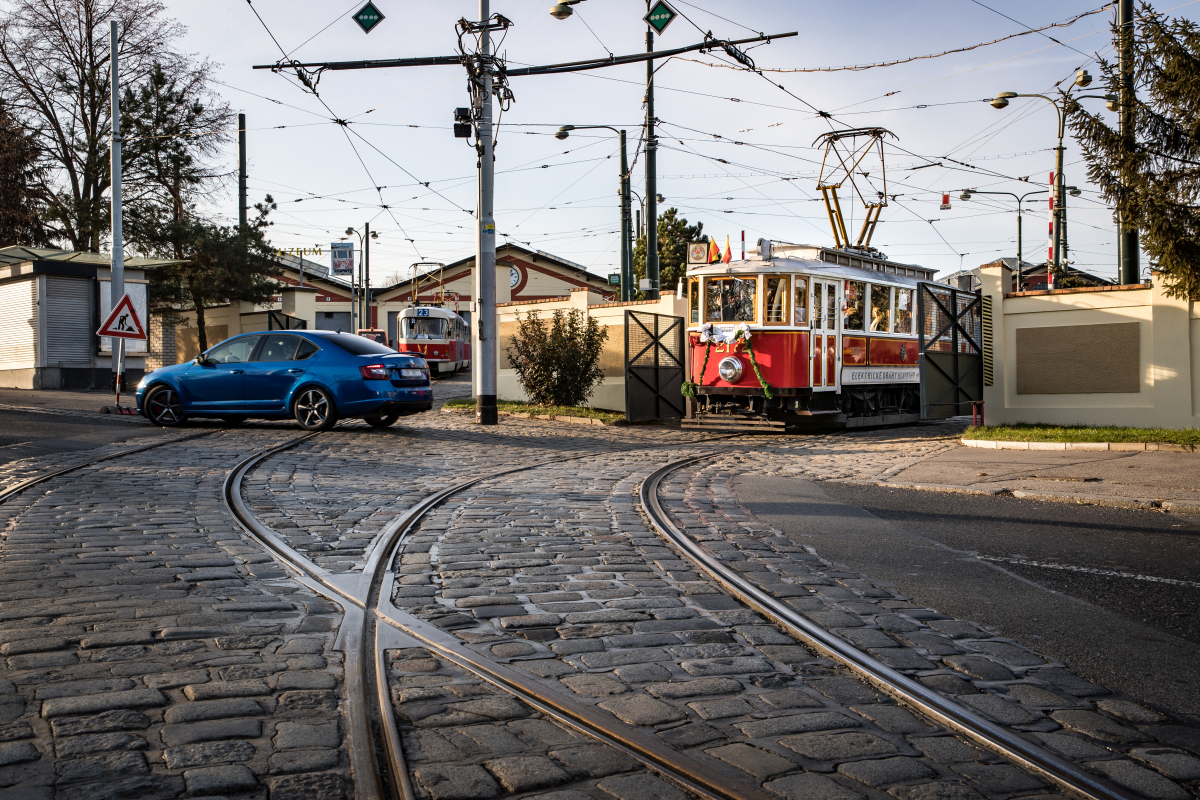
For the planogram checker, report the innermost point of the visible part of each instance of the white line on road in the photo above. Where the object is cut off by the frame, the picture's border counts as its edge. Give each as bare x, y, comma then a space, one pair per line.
1091, 571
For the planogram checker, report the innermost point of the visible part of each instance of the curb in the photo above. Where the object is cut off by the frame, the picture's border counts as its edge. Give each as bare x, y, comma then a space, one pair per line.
551, 417
1137, 504
125, 411
999, 445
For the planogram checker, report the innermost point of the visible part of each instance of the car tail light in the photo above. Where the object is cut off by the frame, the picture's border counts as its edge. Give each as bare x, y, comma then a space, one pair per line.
374, 372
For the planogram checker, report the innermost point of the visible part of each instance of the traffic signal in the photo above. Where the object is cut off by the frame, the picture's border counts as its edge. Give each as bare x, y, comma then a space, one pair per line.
462, 123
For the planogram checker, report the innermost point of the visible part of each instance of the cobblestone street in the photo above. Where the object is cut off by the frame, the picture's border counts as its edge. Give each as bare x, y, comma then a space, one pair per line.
155, 650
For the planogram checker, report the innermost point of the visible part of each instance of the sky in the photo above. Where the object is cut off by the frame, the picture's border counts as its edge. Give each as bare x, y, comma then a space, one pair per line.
736, 151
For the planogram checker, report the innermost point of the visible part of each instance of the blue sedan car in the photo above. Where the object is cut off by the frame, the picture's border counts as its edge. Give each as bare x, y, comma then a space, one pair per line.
315, 377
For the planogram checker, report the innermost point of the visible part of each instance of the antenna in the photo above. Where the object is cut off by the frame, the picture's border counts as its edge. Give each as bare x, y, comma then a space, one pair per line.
849, 148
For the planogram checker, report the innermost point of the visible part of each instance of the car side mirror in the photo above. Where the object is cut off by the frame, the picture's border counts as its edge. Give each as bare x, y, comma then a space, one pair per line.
201, 361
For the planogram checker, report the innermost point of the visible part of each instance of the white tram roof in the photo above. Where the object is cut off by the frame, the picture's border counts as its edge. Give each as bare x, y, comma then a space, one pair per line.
823, 262
433, 311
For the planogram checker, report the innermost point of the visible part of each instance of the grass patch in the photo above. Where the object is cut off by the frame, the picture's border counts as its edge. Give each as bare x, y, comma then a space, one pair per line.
526, 408
1024, 432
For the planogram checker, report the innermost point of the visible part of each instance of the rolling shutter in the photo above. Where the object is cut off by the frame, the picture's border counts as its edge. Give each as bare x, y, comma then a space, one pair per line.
18, 323
68, 319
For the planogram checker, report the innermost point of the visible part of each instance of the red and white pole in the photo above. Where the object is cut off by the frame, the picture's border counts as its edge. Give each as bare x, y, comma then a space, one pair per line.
1050, 242
743, 245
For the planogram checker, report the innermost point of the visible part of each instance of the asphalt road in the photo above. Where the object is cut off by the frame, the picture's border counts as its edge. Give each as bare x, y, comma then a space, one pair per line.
1113, 593
25, 434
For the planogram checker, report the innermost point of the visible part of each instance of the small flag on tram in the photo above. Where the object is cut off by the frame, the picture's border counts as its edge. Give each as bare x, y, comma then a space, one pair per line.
728, 251
714, 252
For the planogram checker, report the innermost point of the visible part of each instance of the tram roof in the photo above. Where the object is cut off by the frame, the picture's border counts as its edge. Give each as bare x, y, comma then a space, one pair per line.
434, 311
823, 262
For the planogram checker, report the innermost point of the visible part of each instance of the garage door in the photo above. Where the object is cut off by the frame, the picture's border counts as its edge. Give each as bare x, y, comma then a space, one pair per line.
68, 319
18, 322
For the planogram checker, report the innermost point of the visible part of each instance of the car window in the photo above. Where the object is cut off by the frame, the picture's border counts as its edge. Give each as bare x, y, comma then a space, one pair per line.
235, 351
278, 347
306, 350
357, 345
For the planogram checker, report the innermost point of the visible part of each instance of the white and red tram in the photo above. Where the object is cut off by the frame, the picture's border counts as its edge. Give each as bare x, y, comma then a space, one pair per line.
833, 332
441, 337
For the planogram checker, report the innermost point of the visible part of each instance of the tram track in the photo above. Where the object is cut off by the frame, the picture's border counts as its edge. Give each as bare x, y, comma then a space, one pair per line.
899, 686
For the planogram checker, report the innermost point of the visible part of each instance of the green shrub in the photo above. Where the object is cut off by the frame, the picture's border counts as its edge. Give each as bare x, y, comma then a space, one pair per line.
558, 361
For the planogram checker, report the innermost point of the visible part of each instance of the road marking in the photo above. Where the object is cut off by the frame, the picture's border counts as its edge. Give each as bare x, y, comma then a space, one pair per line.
1091, 571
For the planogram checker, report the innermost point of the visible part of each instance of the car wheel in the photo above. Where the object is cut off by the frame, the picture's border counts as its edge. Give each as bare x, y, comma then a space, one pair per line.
163, 407
314, 410
381, 422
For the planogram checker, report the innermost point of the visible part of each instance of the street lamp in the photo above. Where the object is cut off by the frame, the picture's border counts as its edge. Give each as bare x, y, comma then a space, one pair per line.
623, 193
1059, 209
968, 193
363, 298
563, 10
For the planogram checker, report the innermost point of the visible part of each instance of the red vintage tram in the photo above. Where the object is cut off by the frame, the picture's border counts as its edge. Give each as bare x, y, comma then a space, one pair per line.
442, 338
804, 336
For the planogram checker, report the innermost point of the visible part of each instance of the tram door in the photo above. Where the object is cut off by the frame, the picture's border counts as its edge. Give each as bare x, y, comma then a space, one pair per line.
825, 336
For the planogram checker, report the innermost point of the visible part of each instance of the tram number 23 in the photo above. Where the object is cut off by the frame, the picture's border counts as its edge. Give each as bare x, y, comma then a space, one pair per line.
422, 312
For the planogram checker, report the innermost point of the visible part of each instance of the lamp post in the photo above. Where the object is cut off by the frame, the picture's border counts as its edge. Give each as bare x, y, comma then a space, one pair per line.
1058, 224
623, 193
966, 195
362, 302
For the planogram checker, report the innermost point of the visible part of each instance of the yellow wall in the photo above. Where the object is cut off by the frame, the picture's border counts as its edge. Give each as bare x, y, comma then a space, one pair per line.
1168, 392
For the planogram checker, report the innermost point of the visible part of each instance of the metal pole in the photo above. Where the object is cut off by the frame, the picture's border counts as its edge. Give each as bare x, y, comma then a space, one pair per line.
367, 279
242, 178
1020, 256
1127, 238
485, 249
117, 279
651, 167
1060, 213
626, 230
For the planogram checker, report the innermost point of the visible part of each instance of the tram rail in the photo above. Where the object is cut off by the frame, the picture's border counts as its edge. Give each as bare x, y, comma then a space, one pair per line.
904, 689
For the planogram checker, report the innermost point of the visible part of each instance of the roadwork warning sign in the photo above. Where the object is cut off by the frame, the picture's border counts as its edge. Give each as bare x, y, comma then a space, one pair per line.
123, 322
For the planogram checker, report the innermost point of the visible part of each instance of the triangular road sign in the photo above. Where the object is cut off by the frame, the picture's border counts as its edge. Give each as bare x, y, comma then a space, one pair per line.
123, 322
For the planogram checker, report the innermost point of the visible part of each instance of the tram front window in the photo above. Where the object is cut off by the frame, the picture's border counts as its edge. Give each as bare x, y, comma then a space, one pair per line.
904, 311
730, 299
423, 328
855, 301
881, 307
776, 302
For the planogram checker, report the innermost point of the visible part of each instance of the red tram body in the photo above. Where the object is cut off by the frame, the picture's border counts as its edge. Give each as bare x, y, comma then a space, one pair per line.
441, 337
833, 332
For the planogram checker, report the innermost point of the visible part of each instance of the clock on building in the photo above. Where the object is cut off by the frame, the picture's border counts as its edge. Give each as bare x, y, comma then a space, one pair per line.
514, 277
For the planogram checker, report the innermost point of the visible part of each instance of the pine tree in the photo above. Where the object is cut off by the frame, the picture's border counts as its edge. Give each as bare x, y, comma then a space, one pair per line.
20, 170
674, 235
1152, 177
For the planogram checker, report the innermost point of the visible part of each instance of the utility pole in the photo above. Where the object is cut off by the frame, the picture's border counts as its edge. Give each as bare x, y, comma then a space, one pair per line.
485, 350
1127, 238
242, 178
366, 284
626, 227
117, 279
651, 169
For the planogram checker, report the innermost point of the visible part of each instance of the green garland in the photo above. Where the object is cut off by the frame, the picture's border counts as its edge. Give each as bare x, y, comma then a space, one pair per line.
689, 387
766, 387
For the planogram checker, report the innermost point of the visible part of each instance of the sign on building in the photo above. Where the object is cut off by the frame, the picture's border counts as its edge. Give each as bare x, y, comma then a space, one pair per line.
342, 254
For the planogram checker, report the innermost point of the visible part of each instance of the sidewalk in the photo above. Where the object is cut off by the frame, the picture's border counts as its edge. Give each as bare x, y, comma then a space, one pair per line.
1128, 479
59, 402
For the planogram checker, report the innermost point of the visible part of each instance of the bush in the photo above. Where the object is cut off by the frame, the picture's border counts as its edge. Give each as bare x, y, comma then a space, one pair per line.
558, 361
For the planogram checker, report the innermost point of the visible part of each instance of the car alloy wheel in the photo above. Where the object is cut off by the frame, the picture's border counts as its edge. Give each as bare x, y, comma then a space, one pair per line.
163, 407
315, 411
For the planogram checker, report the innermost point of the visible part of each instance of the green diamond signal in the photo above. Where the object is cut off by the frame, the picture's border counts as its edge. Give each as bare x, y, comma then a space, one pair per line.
368, 17
661, 15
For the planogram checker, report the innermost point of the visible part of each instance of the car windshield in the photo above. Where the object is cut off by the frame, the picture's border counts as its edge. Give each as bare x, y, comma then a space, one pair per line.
424, 328
357, 345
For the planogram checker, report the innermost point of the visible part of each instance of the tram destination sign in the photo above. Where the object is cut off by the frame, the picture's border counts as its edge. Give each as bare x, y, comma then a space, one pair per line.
856, 375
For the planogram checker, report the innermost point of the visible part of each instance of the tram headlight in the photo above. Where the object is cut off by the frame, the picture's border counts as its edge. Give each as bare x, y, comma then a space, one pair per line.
730, 369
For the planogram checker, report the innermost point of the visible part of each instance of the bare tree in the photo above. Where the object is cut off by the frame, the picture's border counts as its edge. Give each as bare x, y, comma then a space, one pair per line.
54, 78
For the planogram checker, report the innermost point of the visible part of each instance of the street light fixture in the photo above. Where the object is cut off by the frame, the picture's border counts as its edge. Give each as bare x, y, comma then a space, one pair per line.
967, 194
622, 192
562, 10
360, 301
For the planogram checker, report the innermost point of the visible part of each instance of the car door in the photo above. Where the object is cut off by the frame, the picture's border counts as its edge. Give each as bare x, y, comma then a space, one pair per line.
217, 382
273, 371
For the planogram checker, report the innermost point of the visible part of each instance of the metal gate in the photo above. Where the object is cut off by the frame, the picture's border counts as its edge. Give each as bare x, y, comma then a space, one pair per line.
653, 366
951, 342
279, 321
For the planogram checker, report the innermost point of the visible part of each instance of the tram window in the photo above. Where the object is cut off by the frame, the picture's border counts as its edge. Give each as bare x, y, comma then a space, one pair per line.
694, 300
424, 328
830, 307
800, 301
855, 301
775, 306
881, 307
903, 311
730, 299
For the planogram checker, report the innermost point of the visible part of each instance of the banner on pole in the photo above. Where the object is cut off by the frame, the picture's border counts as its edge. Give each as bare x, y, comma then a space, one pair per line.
342, 254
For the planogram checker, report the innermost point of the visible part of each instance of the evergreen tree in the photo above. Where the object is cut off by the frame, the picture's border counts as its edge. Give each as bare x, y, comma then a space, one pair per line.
1152, 176
20, 170
674, 235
